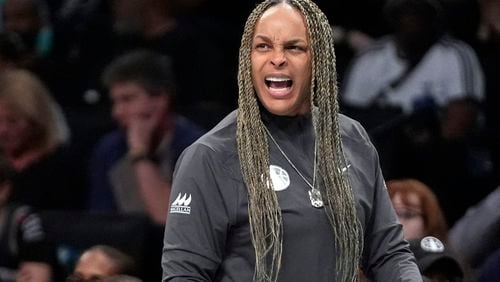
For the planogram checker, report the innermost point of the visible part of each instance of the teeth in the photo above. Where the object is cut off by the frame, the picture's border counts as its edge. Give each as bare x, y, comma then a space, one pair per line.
277, 79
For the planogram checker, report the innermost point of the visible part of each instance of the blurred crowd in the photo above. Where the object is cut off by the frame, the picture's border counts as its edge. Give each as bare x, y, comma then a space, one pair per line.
98, 99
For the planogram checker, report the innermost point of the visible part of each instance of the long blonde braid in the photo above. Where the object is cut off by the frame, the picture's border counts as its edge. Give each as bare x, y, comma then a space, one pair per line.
253, 150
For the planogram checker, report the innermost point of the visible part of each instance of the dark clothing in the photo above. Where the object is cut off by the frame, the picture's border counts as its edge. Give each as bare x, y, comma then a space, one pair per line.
22, 239
491, 268
113, 147
56, 181
207, 236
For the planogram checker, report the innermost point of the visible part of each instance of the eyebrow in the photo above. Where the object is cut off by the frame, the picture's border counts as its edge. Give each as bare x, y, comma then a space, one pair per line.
291, 41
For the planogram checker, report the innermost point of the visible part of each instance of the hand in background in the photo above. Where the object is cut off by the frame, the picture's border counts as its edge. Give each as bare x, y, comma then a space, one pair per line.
142, 128
34, 272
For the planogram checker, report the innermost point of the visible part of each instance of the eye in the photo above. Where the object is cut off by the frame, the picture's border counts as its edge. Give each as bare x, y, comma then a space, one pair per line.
262, 46
297, 48
408, 214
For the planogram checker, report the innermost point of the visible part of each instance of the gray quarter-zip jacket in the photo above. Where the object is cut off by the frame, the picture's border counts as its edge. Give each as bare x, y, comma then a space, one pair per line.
207, 235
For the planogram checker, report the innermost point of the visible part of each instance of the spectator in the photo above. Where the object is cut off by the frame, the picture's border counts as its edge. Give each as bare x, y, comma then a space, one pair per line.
102, 262
35, 139
416, 90
418, 209
30, 19
24, 253
131, 167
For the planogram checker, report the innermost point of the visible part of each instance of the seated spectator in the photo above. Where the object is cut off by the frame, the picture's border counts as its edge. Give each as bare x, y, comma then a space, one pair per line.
35, 139
24, 254
435, 262
417, 208
418, 66
131, 167
102, 262
417, 91
30, 19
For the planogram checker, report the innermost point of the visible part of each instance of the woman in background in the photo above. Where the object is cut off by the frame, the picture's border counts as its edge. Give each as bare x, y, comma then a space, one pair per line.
418, 209
35, 138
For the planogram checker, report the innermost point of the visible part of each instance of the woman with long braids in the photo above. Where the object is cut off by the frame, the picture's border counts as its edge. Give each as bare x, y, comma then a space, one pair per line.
284, 188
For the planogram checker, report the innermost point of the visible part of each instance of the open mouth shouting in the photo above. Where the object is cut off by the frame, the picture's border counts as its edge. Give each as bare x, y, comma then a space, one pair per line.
279, 86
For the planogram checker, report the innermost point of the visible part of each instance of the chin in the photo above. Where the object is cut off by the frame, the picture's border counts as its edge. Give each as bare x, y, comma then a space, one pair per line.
281, 111
282, 108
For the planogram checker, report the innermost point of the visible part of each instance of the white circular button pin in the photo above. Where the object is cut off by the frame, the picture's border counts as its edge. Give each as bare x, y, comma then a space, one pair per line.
432, 244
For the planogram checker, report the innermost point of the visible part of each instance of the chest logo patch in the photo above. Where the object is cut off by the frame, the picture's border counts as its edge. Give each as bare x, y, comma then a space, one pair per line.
279, 177
181, 204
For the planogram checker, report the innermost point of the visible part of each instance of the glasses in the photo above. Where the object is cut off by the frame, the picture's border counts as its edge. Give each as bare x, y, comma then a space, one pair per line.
408, 214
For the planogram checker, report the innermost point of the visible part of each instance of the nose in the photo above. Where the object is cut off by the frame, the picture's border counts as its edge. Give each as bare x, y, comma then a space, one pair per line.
278, 58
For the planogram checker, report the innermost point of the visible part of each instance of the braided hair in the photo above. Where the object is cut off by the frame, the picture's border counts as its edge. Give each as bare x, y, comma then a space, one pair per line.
253, 151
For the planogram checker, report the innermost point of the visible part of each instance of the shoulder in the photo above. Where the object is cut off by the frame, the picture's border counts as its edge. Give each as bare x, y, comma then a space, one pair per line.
455, 46
371, 58
352, 131
377, 47
111, 140
448, 41
222, 137
216, 148
112, 143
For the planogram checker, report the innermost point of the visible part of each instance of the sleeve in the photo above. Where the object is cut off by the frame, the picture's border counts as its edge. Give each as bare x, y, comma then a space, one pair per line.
31, 237
386, 255
363, 80
389, 255
464, 76
476, 234
198, 219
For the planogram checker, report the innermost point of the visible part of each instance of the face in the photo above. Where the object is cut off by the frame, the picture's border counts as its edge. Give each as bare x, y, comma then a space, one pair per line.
15, 131
131, 101
415, 34
128, 16
281, 61
410, 215
20, 16
93, 265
